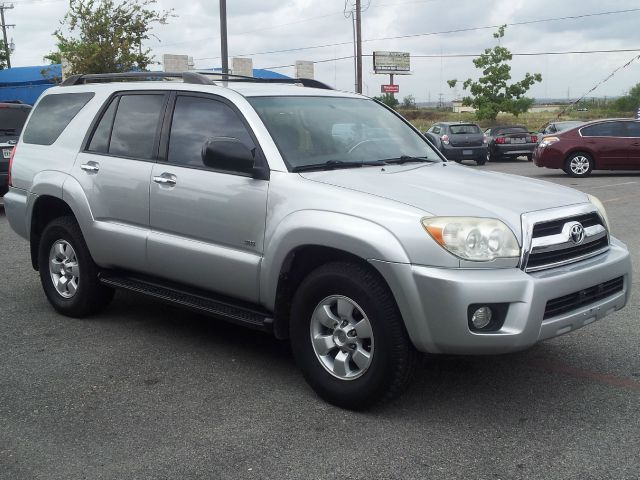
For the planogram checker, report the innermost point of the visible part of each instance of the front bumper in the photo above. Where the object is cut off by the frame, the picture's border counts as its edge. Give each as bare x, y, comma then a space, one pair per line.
434, 301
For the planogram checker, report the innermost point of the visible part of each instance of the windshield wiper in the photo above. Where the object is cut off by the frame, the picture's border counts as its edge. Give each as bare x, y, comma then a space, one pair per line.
333, 164
408, 158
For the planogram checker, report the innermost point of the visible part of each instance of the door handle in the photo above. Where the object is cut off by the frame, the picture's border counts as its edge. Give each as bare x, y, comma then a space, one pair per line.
90, 167
164, 180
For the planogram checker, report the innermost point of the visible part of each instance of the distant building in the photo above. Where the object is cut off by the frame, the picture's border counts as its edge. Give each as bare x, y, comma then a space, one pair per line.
459, 108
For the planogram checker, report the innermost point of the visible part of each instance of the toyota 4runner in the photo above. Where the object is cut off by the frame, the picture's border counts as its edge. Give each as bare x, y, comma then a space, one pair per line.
317, 215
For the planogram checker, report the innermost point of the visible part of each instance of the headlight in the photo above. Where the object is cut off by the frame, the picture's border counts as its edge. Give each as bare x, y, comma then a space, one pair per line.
601, 210
476, 239
546, 141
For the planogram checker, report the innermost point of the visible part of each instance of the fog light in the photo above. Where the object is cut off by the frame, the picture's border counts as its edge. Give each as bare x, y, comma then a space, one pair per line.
481, 317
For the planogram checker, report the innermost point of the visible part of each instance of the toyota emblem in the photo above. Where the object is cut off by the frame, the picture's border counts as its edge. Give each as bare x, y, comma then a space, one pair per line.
577, 234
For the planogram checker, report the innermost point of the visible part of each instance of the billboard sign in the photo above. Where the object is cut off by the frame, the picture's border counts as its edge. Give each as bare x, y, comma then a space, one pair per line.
390, 88
391, 62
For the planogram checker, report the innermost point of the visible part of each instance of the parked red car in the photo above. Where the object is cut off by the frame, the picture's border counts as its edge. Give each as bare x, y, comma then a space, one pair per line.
599, 145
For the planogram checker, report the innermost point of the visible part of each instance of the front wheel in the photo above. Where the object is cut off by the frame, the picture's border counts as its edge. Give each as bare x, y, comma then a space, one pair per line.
68, 274
348, 337
579, 165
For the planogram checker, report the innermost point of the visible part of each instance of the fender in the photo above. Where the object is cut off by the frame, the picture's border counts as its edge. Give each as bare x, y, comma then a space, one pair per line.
353, 235
47, 182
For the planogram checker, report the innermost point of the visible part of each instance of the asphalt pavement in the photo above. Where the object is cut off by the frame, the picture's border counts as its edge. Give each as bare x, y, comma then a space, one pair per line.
144, 391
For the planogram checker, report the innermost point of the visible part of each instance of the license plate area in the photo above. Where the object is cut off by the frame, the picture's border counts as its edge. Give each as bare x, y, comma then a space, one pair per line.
518, 140
467, 152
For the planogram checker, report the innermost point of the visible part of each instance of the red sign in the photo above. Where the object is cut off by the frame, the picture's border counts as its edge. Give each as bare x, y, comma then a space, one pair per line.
390, 88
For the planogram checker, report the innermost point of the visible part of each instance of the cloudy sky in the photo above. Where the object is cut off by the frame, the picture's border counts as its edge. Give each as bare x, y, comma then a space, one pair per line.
258, 26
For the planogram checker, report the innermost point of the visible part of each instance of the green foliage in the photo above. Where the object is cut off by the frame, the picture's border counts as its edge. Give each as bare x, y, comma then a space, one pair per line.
102, 36
492, 93
409, 102
630, 102
3, 55
388, 99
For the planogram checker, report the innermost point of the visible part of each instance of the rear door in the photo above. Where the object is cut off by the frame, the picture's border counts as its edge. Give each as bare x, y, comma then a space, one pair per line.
207, 225
114, 171
607, 140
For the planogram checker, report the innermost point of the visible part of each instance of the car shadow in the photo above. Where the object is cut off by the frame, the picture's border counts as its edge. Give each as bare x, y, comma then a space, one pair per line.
521, 386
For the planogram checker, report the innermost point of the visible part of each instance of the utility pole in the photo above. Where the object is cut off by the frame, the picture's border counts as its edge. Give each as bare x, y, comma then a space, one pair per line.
223, 36
358, 47
7, 50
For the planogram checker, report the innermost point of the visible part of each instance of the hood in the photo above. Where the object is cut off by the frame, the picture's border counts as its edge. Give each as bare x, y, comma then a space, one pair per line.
448, 189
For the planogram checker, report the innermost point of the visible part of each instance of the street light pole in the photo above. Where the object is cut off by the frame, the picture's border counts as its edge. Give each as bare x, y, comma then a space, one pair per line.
358, 47
223, 36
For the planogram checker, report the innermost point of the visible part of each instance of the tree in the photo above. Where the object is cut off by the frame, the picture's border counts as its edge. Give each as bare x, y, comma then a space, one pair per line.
629, 102
492, 93
3, 55
409, 102
388, 99
102, 36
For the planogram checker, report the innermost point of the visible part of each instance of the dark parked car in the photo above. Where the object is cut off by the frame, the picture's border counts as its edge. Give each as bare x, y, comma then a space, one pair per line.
459, 141
510, 141
12, 119
600, 145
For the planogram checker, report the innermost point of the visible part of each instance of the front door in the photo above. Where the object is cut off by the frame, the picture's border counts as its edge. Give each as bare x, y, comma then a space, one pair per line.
207, 226
114, 171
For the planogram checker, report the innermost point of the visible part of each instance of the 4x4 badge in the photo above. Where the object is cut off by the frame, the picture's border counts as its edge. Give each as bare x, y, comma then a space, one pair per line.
577, 233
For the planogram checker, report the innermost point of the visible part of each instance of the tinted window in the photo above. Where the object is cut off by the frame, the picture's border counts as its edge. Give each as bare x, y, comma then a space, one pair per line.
12, 119
52, 115
509, 130
196, 120
136, 125
462, 129
633, 129
100, 140
609, 129
436, 129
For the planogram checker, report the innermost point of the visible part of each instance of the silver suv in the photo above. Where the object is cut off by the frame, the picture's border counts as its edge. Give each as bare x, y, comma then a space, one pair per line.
319, 216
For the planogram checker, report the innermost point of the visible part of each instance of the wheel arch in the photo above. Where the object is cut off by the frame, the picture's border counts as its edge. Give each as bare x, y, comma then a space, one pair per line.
305, 240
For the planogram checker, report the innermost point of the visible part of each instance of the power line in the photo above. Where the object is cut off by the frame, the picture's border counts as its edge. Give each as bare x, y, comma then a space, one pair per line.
443, 32
463, 55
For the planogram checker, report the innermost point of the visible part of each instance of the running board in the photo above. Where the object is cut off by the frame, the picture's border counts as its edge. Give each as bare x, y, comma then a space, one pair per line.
205, 303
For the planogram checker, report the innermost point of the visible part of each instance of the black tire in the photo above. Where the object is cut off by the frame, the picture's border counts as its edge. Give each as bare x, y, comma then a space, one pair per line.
393, 356
494, 157
579, 165
529, 158
481, 160
91, 296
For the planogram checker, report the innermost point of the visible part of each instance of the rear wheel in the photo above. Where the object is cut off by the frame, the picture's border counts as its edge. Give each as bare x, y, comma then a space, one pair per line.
481, 160
579, 165
348, 336
68, 274
529, 158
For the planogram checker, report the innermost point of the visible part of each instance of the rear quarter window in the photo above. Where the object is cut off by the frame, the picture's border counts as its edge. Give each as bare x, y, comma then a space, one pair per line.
52, 115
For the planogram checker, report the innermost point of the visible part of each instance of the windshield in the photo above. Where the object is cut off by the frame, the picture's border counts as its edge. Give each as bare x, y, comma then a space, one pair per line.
333, 130
567, 125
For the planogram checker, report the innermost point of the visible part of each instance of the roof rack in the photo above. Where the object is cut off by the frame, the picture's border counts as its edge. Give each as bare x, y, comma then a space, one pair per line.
198, 77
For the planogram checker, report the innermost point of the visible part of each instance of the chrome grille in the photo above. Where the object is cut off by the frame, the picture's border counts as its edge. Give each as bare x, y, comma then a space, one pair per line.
553, 242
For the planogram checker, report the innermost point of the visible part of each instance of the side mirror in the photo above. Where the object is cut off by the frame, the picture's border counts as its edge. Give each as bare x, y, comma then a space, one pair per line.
227, 154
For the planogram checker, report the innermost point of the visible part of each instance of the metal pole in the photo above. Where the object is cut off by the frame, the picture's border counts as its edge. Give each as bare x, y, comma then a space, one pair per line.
223, 36
358, 47
355, 54
4, 35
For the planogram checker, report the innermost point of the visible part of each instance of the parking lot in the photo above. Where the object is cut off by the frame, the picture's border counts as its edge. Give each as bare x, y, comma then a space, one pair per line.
147, 391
